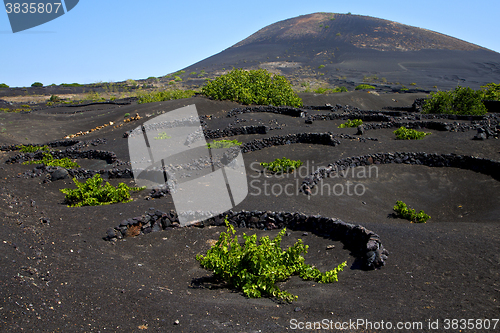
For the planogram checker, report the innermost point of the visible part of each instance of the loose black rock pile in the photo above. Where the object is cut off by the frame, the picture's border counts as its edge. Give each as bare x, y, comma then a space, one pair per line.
364, 244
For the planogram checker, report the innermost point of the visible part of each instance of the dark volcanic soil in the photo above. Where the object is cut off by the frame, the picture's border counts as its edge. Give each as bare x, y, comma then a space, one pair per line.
61, 276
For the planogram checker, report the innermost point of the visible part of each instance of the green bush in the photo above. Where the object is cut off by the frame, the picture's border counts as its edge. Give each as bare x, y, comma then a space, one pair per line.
126, 115
462, 100
364, 86
491, 91
3, 85
93, 193
404, 133
131, 82
329, 90
71, 85
165, 95
54, 99
321, 66
252, 87
223, 144
404, 212
282, 165
32, 149
37, 84
163, 136
49, 160
255, 269
351, 123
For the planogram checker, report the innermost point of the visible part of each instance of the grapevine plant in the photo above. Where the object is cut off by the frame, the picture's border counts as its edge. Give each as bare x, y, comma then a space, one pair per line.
351, 123
32, 149
93, 193
163, 136
404, 212
282, 165
49, 160
252, 87
165, 95
255, 269
223, 144
404, 133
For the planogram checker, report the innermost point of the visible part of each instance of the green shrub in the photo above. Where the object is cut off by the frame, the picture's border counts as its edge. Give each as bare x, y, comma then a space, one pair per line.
364, 86
255, 269
163, 136
340, 89
54, 99
282, 165
3, 85
329, 90
177, 79
491, 91
404, 133
71, 85
49, 160
37, 84
252, 87
93, 193
404, 212
32, 149
321, 66
131, 82
165, 95
223, 144
462, 100
126, 115
372, 78
351, 123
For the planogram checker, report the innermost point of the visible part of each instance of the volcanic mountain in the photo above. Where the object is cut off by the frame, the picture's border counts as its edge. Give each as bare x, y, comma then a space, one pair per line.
345, 48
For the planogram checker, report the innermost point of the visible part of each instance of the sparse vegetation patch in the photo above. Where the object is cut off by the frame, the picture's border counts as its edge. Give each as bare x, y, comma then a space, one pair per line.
32, 149
163, 136
93, 193
364, 86
330, 91
351, 123
223, 144
165, 95
282, 165
404, 212
404, 133
49, 160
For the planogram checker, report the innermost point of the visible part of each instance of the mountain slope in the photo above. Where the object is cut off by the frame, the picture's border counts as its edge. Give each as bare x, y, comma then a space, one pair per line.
350, 48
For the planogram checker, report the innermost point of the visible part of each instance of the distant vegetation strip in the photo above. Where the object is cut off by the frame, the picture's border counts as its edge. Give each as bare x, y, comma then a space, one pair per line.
165, 95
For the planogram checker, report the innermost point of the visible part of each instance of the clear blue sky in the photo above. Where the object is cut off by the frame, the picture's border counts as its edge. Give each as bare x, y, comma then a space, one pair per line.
115, 40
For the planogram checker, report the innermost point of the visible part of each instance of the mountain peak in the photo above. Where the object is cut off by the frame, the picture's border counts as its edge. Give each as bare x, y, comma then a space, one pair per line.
359, 31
